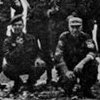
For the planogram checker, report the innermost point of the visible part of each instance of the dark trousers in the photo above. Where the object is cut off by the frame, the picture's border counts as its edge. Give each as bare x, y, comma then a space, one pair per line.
88, 78
40, 31
13, 72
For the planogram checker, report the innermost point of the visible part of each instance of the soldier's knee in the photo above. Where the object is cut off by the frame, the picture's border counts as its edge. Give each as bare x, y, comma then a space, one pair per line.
9, 72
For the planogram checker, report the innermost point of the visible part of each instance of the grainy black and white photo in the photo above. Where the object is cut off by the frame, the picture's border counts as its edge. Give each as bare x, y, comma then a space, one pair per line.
49, 49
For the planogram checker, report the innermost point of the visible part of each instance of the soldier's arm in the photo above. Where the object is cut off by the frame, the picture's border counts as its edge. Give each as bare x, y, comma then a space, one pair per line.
81, 64
11, 50
59, 60
91, 48
92, 52
6, 47
17, 6
37, 54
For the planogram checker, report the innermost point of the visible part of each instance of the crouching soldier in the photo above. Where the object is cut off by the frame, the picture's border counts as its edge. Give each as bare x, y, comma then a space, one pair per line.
22, 55
75, 58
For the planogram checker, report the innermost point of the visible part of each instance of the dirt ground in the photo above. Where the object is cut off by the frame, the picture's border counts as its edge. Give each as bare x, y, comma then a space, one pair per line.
53, 94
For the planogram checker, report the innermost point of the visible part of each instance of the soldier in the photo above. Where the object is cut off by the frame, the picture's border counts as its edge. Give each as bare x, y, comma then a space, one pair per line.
22, 55
5, 15
75, 58
38, 26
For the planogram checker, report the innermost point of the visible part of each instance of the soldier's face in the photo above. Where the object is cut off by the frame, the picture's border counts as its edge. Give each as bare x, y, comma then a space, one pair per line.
18, 27
75, 29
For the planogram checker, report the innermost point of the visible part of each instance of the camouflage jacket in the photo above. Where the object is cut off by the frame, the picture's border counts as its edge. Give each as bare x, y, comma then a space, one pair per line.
5, 10
71, 50
20, 53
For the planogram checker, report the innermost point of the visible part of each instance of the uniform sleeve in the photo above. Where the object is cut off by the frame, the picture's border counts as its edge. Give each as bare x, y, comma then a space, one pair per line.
17, 5
11, 50
6, 47
60, 63
90, 45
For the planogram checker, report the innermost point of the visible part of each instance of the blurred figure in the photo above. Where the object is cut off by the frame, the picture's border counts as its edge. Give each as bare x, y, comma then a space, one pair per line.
22, 55
38, 26
5, 16
75, 58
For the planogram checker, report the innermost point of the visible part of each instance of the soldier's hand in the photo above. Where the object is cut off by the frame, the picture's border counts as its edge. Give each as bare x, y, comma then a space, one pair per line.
19, 40
70, 75
39, 63
78, 68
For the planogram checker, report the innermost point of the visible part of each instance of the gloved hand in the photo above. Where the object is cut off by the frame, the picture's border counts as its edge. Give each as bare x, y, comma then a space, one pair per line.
70, 75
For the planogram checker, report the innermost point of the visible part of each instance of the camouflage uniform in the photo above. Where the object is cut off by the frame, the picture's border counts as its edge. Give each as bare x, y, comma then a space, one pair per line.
69, 52
21, 59
5, 15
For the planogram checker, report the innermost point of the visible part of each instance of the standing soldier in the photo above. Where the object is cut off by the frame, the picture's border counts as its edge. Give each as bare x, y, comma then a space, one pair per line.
38, 26
22, 55
75, 58
5, 15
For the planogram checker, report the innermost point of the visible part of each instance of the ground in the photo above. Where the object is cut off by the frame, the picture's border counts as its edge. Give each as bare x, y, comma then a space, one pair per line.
53, 94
